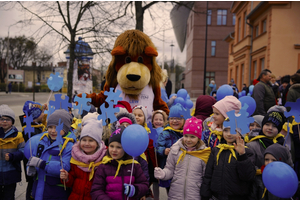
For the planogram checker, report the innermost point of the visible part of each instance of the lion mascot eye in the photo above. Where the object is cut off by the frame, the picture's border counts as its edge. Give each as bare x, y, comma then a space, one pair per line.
127, 59
140, 59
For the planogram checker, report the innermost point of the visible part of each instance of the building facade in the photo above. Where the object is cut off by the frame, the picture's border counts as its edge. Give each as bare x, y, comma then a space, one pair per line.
266, 36
220, 21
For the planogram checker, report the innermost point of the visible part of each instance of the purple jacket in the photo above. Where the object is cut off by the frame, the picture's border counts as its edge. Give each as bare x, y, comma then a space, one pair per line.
106, 187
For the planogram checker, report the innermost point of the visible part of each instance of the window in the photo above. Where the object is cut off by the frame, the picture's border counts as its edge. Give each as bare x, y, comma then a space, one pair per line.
213, 48
231, 48
233, 19
245, 25
264, 26
208, 17
242, 73
222, 17
256, 28
209, 76
43, 77
262, 63
254, 69
239, 30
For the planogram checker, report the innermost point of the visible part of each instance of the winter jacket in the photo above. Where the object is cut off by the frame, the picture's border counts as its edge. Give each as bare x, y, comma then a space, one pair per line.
294, 93
47, 183
187, 174
166, 139
264, 98
230, 178
212, 136
11, 142
79, 178
203, 107
108, 187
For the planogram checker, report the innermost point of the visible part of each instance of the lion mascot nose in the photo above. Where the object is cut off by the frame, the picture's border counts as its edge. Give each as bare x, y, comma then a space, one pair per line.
133, 77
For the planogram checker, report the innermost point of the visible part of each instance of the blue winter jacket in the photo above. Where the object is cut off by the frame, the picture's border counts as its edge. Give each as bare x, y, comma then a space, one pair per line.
13, 143
47, 183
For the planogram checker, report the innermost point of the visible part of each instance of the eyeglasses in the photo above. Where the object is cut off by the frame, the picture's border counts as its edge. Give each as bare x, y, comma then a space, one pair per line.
5, 119
175, 118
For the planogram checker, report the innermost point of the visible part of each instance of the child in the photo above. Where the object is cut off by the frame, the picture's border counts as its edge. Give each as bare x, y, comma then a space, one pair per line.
254, 127
159, 118
171, 133
46, 156
268, 135
36, 110
11, 148
203, 107
188, 154
86, 157
213, 135
113, 175
230, 170
276, 152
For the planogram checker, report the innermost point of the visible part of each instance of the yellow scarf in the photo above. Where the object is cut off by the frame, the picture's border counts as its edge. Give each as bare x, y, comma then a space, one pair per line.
270, 138
107, 159
67, 139
219, 134
36, 126
76, 122
226, 147
284, 127
203, 154
91, 166
170, 128
8, 140
144, 156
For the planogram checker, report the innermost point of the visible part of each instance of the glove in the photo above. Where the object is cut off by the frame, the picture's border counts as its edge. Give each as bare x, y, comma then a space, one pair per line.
35, 162
129, 190
159, 173
31, 171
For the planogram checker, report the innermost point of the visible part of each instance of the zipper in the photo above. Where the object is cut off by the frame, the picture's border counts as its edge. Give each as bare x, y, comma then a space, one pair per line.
187, 169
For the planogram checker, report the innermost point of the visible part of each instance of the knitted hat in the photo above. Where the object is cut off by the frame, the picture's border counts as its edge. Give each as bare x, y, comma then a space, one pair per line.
33, 109
228, 103
193, 126
124, 104
92, 110
125, 119
277, 118
65, 117
258, 119
94, 129
93, 115
116, 135
176, 111
6, 111
279, 152
165, 116
119, 116
143, 109
277, 108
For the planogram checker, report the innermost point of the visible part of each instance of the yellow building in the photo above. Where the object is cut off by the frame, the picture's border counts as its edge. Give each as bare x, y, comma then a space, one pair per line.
266, 36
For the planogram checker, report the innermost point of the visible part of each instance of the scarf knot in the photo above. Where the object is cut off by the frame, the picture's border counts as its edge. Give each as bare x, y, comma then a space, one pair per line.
226, 147
203, 154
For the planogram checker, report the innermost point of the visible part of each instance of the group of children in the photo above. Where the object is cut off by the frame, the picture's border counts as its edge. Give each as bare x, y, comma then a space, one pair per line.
194, 158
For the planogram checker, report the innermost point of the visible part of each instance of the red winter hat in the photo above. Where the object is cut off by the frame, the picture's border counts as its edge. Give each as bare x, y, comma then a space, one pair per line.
124, 104
193, 126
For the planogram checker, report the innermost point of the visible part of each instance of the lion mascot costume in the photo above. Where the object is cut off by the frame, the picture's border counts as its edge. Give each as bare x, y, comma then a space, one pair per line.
133, 70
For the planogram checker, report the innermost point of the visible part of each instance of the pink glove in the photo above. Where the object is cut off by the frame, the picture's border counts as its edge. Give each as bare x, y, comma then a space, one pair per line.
159, 173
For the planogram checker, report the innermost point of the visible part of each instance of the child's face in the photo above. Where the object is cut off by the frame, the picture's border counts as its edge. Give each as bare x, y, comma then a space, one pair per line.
139, 116
176, 122
88, 145
269, 158
125, 124
254, 125
115, 150
53, 133
218, 117
230, 138
270, 130
6, 123
190, 140
158, 120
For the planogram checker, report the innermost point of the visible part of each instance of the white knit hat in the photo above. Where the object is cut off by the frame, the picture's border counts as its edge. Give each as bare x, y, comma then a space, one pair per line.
93, 115
94, 129
7, 112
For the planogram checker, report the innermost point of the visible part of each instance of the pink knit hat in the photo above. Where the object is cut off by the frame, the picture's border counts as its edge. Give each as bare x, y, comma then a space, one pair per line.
228, 103
193, 126
125, 119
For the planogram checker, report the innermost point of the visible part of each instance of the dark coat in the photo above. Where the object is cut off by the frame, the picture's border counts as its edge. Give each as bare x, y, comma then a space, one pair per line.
232, 180
294, 93
264, 98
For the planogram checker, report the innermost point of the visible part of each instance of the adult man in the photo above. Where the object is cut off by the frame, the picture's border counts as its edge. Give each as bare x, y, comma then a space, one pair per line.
263, 93
211, 87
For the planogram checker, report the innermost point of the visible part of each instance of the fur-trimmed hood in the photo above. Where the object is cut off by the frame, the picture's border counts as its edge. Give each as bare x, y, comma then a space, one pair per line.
116, 124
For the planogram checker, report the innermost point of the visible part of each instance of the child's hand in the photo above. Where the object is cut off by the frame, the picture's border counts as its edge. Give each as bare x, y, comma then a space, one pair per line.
129, 190
64, 175
7, 156
159, 173
167, 150
239, 145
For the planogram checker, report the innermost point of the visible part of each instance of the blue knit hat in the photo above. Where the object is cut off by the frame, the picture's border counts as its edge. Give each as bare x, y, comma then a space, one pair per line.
33, 109
179, 111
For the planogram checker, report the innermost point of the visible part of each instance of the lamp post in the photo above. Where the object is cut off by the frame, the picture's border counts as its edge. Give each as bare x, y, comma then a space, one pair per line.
172, 60
204, 71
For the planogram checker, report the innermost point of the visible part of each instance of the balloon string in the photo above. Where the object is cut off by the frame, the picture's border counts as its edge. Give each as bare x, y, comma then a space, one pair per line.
287, 135
49, 97
131, 173
156, 161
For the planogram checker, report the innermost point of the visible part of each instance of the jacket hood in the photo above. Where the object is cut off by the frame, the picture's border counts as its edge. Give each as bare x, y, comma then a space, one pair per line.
296, 87
203, 108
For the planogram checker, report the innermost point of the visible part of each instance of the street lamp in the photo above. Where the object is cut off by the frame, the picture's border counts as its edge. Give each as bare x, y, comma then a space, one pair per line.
172, 60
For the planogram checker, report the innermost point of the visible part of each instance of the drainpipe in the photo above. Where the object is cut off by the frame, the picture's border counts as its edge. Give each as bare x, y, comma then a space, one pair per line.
250, 57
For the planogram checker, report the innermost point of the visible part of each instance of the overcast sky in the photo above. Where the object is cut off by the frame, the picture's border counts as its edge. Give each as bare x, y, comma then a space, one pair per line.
8, 18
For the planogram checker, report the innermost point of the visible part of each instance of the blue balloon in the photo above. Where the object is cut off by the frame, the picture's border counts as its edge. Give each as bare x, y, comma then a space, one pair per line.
187, 97
179, 100
182, 93
250, 102
134, 140
249, 94
172, 95
189, 104
280, 179
251, 89
240, 94
223, 91
243, 92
